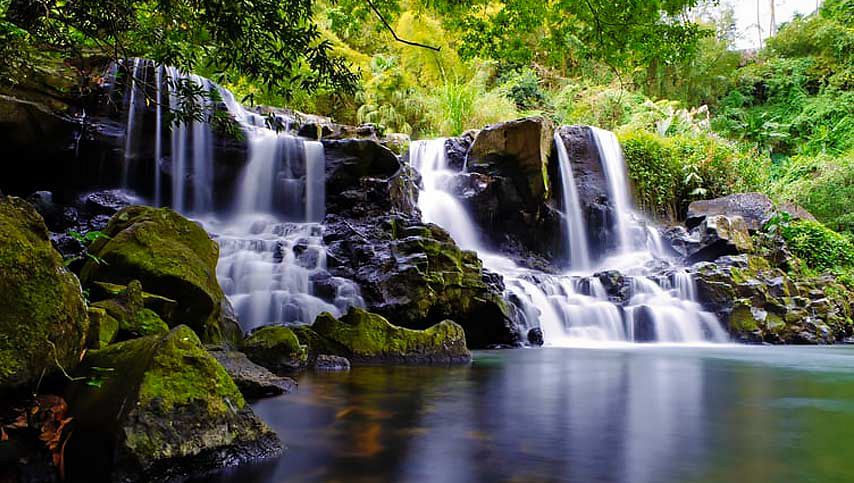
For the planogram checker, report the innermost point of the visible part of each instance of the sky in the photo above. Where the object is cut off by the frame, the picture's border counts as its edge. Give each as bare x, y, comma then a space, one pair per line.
745, 13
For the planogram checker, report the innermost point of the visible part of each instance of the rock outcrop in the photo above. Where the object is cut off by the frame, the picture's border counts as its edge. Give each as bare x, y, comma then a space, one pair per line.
363, 337
43, 317
714, 237
508, 187
160, 408
761, 303
417, 276
275, 347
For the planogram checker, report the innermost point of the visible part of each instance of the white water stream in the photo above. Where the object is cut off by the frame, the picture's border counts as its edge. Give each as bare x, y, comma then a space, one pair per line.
575, 308
272, 258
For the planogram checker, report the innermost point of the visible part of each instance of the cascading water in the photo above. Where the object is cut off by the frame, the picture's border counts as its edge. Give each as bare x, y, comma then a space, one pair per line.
611, 155
575, 308
272, 258
576, 234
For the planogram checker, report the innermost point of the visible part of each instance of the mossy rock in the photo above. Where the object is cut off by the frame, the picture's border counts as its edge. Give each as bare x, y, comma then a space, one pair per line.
163, 407
172, 257
43, 318
107, 326
275, 347
131, 316
370, 338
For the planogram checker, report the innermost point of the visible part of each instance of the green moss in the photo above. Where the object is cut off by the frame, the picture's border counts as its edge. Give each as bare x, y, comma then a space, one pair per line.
369, 336
43, 315
275, 347
182, 372
820, 247
171, 256
742, 320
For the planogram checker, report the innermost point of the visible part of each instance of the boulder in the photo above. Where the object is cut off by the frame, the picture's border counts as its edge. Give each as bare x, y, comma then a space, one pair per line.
172, 257
370, 338
523, 146
417, 276
254, 381
716, 236
328, 363
364, 179
535, 336
43, 317
507, 187
131, 317
160, 408
275, 347
755, 208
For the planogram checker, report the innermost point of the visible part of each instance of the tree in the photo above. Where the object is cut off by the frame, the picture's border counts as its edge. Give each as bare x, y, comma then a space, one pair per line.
273, 42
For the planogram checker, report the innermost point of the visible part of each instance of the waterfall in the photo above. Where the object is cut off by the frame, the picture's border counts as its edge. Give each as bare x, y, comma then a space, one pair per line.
575, 308
614, 167
576, 234
272, 262
132, 115
158, 133
436, 203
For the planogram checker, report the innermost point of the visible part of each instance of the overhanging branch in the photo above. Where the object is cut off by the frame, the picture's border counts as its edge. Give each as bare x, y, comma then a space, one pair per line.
394, 34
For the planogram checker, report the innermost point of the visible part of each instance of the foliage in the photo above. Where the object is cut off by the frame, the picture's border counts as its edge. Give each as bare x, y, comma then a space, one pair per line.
85, 241
823, 184
670, 172
275, 43
818, 246
523, 88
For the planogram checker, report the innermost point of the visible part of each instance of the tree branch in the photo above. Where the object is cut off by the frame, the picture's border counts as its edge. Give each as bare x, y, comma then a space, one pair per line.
394, 34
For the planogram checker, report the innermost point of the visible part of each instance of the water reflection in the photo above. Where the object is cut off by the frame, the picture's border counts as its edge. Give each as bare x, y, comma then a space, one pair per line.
643, 415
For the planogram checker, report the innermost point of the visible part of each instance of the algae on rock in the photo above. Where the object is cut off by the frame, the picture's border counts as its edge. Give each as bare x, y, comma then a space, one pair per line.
43, 318
370, 338
171, 256
166, 408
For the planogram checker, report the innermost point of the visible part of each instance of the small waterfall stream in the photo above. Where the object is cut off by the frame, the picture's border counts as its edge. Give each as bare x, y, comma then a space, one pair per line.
576, 233
272, 258
575, 308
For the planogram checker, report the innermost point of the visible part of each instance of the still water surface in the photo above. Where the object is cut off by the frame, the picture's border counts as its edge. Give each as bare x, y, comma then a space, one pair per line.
638, 414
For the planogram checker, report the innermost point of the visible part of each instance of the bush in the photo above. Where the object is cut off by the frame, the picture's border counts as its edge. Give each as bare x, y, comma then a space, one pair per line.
818, 246
523, 88
824, 185
670, 172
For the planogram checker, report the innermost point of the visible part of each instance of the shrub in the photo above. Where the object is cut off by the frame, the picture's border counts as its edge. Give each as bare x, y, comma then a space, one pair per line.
818, 246
523, 88
824, 185
670, 172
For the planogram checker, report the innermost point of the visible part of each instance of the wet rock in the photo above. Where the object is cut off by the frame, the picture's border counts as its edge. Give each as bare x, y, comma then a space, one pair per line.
760, 303
715, 237
644, 325
370, 338
364, 178
164, 408
417, 276
535, 336
507, 187
171, 256
107, 202
253, 380
328, 363
43, 318
275, 347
